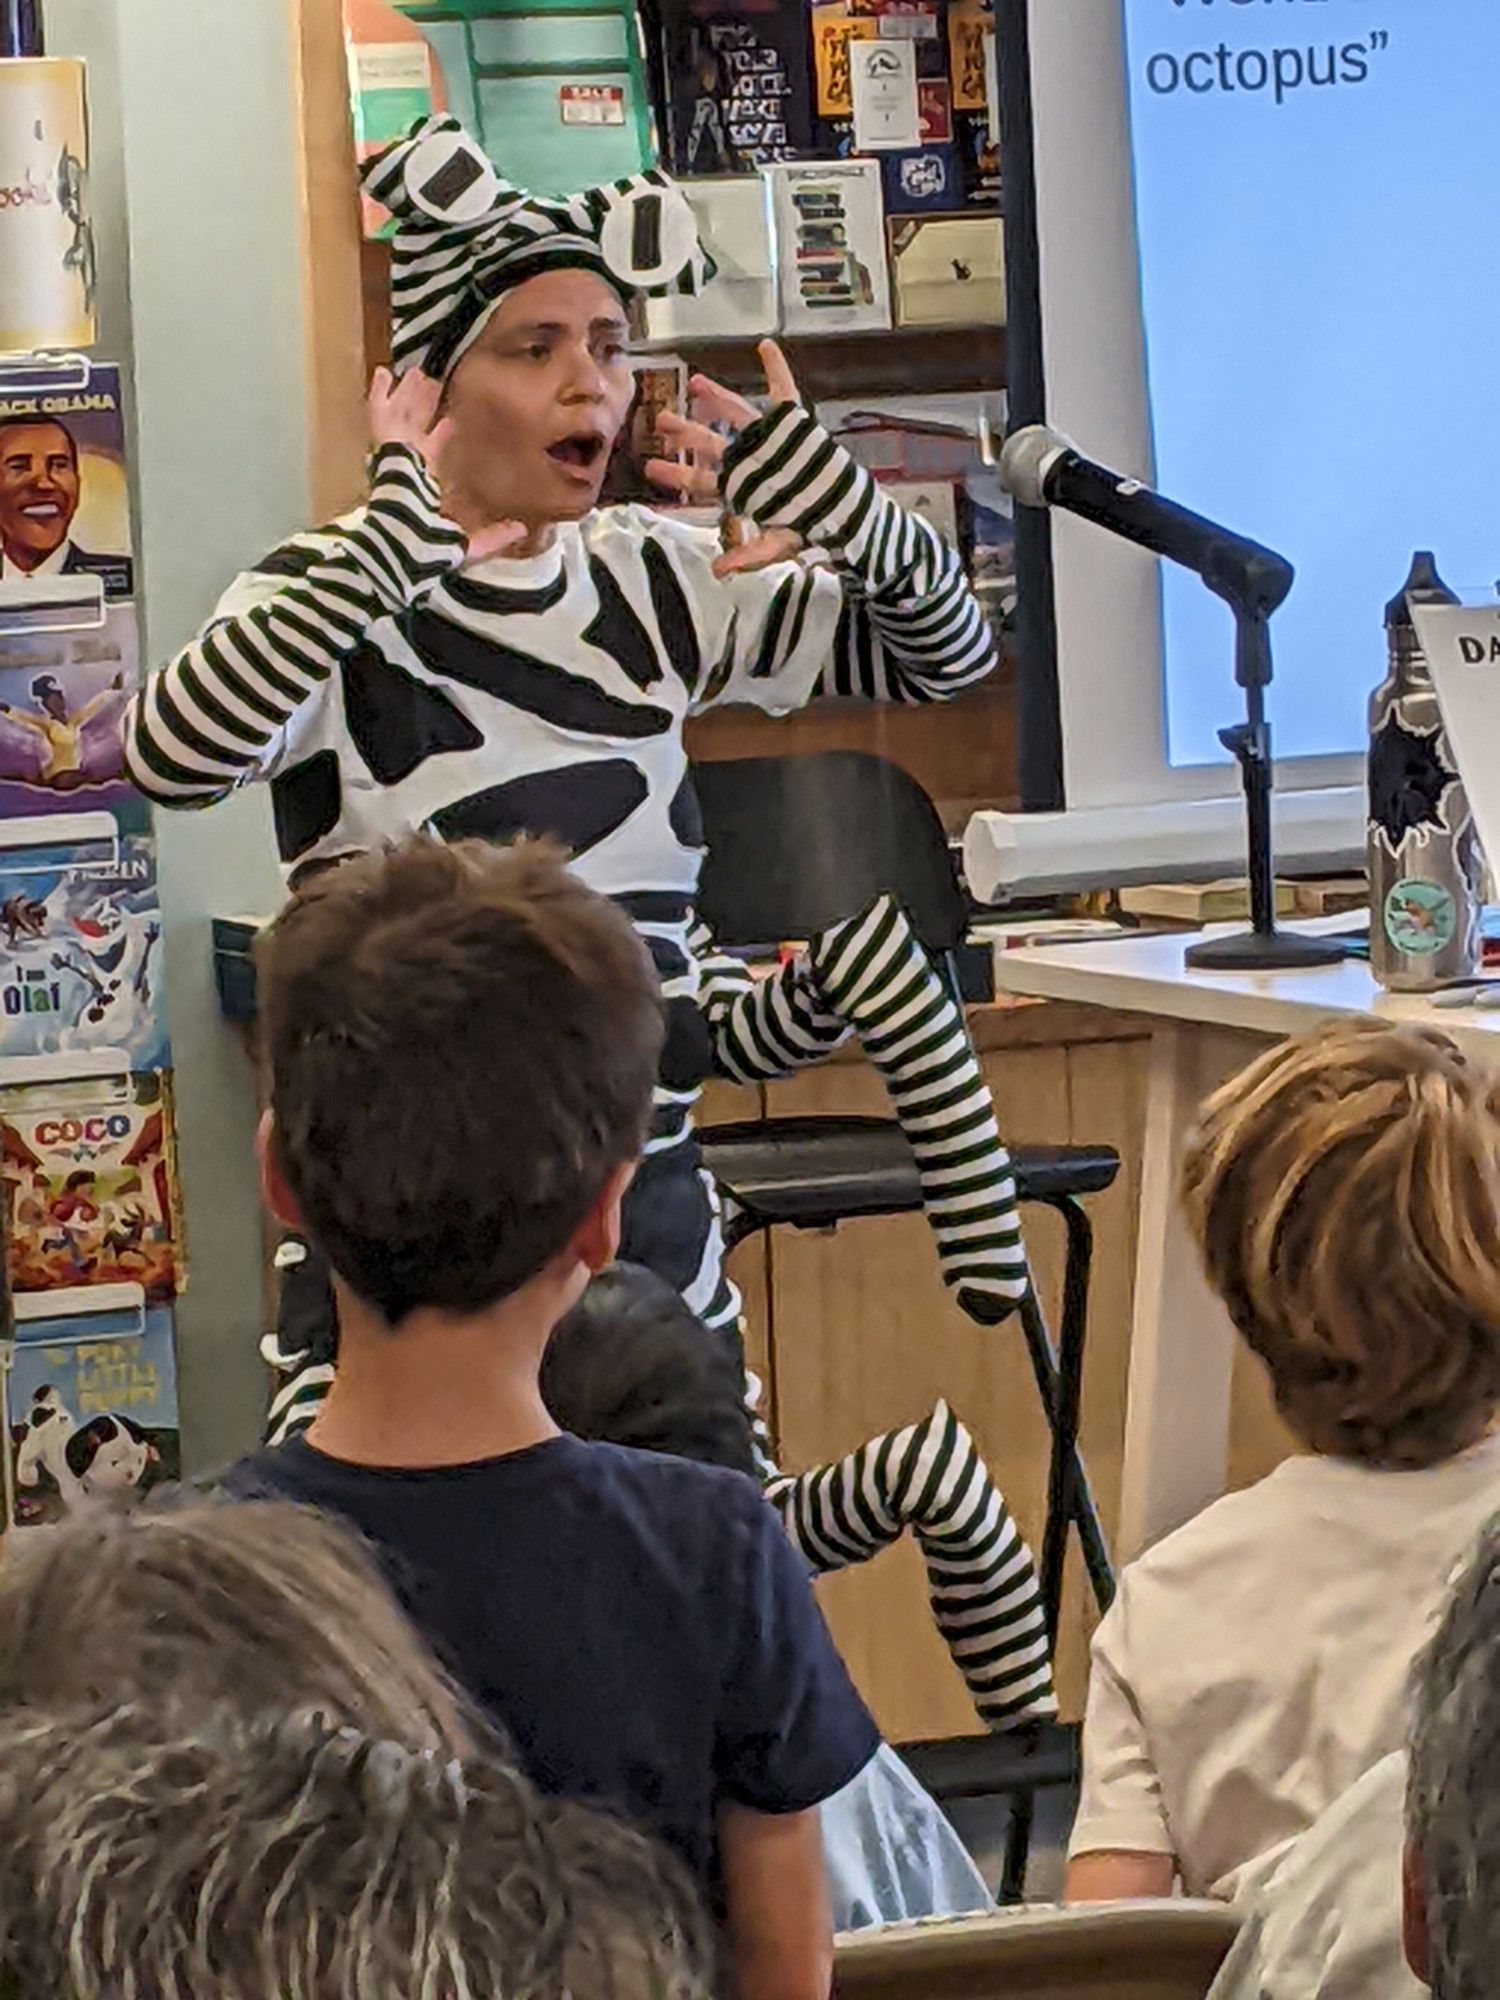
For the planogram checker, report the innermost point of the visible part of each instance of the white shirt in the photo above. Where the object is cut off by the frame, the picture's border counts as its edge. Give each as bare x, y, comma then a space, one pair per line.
1327, 1923
1255, 1663
891, 1853
48, 566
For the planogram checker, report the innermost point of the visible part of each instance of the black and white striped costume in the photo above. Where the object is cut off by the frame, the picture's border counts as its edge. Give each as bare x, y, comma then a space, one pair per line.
930, 1479
381, 687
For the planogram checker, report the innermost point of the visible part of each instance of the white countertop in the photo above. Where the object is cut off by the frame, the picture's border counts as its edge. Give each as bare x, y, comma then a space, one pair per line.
1146, 975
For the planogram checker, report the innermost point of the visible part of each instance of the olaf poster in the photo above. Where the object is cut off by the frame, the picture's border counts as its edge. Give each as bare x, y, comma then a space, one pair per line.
80, 946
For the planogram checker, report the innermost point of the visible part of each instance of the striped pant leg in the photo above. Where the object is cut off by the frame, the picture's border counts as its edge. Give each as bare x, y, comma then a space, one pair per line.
297, 1397
931, 1479
874, 973
302, 1350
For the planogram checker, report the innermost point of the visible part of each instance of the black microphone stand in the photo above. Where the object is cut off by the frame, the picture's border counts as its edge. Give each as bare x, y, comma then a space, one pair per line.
1253, 592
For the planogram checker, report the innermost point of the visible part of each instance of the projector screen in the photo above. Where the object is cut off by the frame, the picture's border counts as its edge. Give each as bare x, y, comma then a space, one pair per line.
1269, 287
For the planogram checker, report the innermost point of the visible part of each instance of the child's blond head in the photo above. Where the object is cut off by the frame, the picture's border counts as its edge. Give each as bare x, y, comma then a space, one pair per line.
1345, 1192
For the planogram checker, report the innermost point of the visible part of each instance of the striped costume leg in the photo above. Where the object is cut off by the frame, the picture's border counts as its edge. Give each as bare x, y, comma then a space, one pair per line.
300, 1353
298, 1394
930, 1478
871, 976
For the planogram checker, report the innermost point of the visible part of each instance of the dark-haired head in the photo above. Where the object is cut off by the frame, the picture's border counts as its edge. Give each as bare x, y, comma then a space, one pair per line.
632, 1364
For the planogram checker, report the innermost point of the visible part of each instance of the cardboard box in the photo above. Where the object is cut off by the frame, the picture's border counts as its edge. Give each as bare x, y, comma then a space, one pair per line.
830, 246
948, 270
936, 500
739, 301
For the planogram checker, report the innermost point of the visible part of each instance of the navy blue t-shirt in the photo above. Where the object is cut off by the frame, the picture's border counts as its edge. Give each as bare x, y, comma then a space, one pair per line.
639, 1625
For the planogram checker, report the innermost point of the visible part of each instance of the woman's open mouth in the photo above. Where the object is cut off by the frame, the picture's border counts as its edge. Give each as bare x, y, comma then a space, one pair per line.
579, 453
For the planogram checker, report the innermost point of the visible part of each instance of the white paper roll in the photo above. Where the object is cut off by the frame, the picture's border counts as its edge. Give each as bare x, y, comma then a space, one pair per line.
46, 238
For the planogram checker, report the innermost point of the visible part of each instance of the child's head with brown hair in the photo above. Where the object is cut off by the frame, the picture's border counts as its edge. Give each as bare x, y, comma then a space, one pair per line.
1345, 1192
462, 1041
228, 1765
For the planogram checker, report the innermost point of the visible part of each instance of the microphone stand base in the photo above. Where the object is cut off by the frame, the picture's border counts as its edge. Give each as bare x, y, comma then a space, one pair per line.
1262, 951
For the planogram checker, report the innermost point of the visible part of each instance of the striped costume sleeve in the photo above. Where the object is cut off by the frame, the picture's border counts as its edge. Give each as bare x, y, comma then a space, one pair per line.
911, 628
213, 717
931, 1479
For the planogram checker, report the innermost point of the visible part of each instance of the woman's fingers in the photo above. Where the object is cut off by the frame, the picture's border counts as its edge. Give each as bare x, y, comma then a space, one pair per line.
420, 396
706, 445
719, 405
404, 411
781, 385
433, 443
382, 421
693, 482
776, 545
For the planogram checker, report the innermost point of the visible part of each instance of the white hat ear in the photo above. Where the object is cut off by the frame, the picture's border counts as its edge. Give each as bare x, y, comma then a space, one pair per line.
648, 236
448, 178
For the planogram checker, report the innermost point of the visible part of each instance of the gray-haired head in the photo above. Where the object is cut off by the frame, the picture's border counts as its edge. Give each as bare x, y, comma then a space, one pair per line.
163, 1853
1453, 1792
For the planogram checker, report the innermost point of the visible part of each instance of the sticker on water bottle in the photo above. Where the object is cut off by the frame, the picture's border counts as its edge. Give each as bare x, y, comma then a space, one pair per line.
1421, 917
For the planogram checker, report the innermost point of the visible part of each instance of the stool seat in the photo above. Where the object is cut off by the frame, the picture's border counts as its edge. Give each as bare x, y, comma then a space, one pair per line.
812, 1172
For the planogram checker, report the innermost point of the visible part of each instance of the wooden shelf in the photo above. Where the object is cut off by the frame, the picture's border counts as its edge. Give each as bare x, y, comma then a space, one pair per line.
925, 360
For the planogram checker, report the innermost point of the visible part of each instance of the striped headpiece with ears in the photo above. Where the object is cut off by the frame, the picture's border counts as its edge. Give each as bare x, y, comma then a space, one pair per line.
465, 237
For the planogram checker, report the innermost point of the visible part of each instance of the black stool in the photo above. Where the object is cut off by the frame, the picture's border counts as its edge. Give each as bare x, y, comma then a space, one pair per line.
798, 843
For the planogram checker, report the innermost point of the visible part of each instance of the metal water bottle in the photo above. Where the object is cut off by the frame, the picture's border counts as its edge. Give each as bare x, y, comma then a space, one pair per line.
1424, 859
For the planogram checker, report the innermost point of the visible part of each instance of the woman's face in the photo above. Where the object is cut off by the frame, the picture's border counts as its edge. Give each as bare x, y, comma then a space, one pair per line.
538, 401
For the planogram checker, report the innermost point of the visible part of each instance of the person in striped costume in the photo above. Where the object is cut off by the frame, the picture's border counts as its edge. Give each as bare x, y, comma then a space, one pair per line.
482, 649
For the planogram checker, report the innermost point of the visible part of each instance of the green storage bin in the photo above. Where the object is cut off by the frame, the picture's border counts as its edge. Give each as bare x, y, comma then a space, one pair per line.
554, 90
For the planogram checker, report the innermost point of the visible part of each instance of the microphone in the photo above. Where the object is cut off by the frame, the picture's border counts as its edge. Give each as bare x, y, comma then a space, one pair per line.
1041, 468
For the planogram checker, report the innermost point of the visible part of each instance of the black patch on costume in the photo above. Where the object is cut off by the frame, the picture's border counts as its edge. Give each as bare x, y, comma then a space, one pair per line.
307, 1321
580, 805
685, 815
673, 615
296, 558
289, 561
398, 722
653, 906
535, 686
687, 1052
765, 659
669, 958
723, 667
1407, 780
616, 630
476, 596
305, 803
